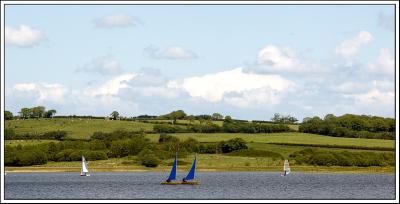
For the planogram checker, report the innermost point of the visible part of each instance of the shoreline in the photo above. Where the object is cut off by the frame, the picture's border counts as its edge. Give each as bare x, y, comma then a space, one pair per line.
301, 169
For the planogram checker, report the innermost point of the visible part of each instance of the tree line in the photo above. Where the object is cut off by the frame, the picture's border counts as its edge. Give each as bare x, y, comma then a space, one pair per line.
227, 127
350, 125
114, 145
321, 157
34, 112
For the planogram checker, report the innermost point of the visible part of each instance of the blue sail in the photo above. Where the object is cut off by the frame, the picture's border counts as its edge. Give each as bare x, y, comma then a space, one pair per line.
190, 175
172, 175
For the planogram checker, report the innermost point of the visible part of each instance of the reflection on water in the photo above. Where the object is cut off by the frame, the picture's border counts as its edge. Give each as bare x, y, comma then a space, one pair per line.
214, 185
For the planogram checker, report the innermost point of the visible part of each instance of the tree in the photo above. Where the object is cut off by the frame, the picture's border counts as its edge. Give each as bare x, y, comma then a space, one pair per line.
179, 114
8, 115
292, 119
25, 113
217, 116
114, 115
50, 113
38, 111
228, 119
277, 118
232, 145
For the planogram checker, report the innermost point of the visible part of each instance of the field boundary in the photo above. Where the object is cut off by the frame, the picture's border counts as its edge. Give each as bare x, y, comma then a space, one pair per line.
334, 146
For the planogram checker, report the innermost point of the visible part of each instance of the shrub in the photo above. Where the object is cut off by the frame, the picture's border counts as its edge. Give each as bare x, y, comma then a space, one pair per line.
343, 158
208, 148
167, 138
232, 145
57, 135
148, 158
9, 133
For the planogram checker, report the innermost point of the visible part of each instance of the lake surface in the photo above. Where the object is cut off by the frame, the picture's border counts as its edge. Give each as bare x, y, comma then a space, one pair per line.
214, 185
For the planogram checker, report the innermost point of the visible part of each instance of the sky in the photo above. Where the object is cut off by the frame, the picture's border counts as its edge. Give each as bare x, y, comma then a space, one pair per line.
246, 61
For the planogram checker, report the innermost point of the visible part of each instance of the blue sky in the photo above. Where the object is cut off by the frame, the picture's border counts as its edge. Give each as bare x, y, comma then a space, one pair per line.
245, 61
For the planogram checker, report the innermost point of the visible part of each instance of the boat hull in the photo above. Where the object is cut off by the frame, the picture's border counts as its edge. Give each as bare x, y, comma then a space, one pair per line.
180, 182
191, 183
171, 183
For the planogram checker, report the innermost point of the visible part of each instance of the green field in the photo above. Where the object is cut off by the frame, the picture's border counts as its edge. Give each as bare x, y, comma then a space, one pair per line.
291, 138
27, 142
84, 128
75, 128
205, 162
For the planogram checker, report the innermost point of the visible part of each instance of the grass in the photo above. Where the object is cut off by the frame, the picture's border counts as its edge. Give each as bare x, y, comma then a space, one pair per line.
285, 150
83, 129
27, 142
219, 123
76, 128
292, 138
206, 162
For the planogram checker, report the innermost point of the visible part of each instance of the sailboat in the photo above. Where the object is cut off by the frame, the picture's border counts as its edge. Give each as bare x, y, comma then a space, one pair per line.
286, 168
84, 170
189, 179
172, 175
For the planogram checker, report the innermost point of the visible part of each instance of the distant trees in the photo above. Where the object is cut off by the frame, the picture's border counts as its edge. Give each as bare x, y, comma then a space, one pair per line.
349, 125
50, 113
9, 134
323, 157
232, 145
174, 115
114, 115
228, 119
286, 119
8, 115
217, 116
36, 112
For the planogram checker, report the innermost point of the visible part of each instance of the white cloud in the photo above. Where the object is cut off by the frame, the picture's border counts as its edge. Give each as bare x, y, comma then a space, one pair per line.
384, 64
214, 87
173, 52
283, 60
273, 56
42, 91
353, 87
349, 48
254, 98
375, 97
104, 65
385, 61
117, 20
24, 36
112, 86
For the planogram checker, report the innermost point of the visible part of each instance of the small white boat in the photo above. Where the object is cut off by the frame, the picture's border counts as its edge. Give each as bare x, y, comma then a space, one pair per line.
84, 169
286, 168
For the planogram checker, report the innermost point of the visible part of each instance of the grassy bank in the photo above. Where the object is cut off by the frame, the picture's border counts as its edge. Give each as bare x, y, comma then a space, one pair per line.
206, 163
75, 128
291, 138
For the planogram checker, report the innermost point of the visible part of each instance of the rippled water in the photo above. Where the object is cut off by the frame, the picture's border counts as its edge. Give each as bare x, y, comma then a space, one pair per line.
214, 185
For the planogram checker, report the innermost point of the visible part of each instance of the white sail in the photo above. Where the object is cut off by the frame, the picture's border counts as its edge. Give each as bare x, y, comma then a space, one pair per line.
84, 166
286, 167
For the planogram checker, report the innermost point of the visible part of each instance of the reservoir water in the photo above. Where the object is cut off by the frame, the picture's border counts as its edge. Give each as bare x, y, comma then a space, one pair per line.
214, 185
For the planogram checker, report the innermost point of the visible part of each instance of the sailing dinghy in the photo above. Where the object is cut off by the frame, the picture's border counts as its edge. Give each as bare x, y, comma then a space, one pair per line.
286, 168
172, 176
84, 169
189, 179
